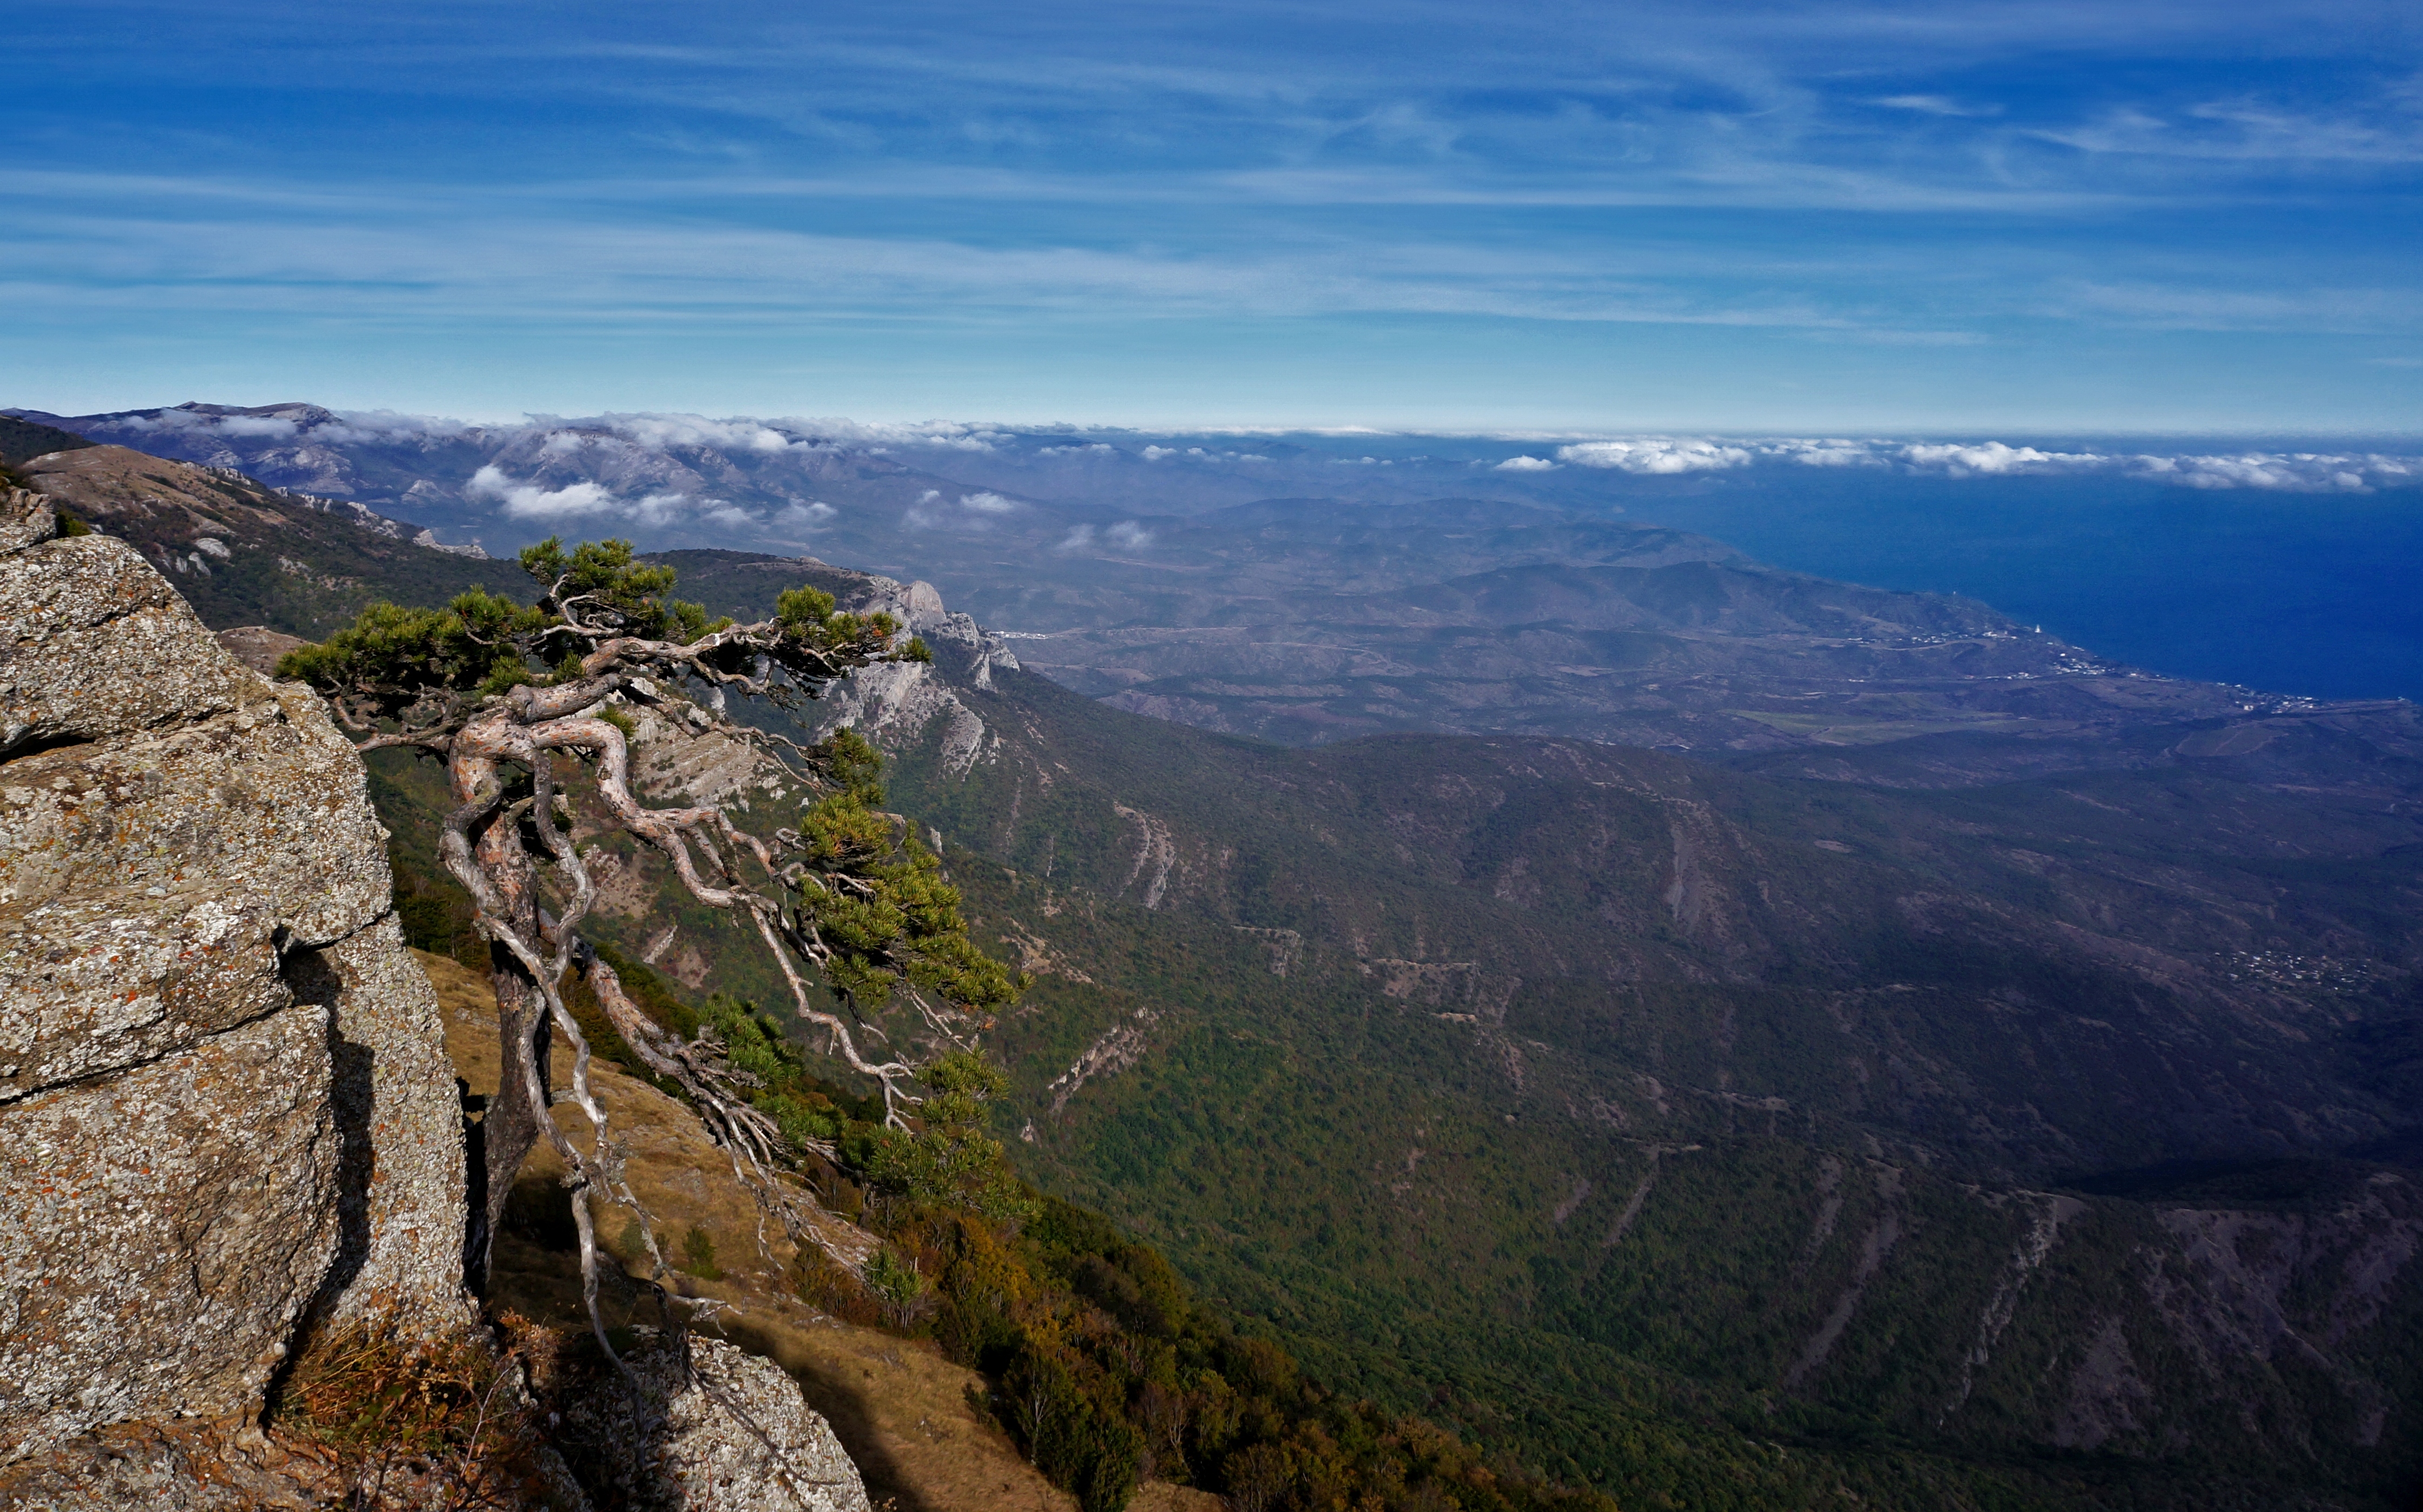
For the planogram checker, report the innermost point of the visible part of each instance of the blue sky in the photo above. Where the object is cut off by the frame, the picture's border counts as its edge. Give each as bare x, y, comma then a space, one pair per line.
2072, 218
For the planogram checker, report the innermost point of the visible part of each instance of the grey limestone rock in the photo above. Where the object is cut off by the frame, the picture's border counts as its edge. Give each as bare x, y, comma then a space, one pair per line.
163, 1229
707, 1429
224, 1104
895, 703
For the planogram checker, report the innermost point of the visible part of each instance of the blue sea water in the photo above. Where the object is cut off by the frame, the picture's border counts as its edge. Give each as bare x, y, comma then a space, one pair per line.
2319, 595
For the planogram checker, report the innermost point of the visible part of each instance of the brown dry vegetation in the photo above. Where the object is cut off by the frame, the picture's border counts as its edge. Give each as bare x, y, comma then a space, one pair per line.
433, 1425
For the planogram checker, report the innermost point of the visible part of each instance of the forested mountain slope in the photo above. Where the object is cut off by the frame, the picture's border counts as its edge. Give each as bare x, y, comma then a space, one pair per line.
1524, 1064
1612, 1103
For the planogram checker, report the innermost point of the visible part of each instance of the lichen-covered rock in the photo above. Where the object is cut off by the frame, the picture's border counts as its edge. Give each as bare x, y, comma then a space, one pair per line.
162, 1230
707, 1429
94, 643
224, 1099
154, 878
402, 1200
25, 518
188, 1466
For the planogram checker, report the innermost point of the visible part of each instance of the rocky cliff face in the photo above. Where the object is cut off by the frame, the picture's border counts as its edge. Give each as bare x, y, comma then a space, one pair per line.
225, 1106
893, 704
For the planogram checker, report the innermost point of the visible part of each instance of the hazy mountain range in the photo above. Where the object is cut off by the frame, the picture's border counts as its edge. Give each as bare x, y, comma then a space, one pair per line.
1309, 588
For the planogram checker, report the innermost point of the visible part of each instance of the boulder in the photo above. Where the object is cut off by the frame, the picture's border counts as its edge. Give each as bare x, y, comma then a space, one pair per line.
225, 1106
699, 1427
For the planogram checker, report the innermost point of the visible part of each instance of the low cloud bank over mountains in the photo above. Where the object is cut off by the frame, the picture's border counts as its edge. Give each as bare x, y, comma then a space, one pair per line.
1062, 530
778, 481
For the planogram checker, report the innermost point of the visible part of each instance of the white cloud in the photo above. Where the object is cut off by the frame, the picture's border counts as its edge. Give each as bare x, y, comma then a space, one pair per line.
530, 502
1156, 453
663, 509
1826, 453
1657, 455
250, 427
1526, 465
1994, 459
1130, 535
255, 425
535, 501
974, 513
955, 436
2302, 472
805, 515
355, 427
1079, 538
661, 433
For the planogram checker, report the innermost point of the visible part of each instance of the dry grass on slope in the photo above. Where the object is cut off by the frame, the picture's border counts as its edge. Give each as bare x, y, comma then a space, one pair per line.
900, 1409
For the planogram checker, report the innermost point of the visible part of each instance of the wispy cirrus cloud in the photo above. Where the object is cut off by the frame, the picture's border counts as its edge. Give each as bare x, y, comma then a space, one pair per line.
1933, 104
745, 201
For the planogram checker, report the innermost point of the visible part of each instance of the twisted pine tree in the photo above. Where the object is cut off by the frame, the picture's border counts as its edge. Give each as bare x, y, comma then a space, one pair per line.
515, 701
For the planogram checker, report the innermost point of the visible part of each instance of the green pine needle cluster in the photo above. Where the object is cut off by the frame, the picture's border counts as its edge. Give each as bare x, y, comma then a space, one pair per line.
613, 589
807, 618
481, 644
878, 898
948, 1159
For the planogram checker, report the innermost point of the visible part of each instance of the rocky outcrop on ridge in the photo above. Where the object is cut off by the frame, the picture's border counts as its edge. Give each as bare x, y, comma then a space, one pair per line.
893, 704
225, 1106
709, 1427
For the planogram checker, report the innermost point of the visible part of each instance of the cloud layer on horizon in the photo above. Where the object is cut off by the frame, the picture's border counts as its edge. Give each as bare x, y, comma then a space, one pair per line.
2303, 471
743, 478
2310, 472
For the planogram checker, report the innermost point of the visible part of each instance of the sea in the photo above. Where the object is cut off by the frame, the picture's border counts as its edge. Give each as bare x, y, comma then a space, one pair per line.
2313, 594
